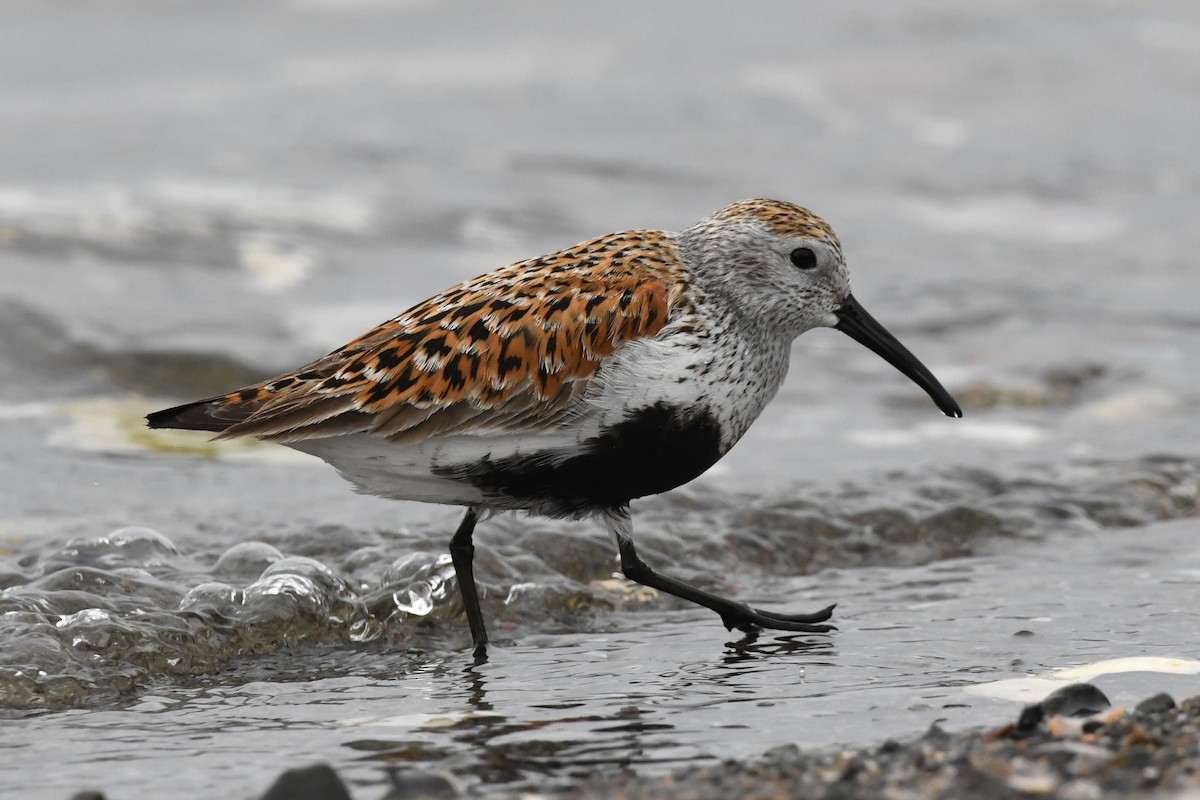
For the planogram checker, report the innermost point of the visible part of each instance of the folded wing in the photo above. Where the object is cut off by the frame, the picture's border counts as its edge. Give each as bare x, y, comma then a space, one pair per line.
506, 351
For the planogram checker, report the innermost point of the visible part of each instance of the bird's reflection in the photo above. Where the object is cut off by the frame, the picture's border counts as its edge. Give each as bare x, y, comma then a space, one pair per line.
499, 728
753, 647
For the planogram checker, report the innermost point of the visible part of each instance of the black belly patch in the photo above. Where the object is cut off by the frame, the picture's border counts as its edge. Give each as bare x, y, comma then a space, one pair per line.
653, 450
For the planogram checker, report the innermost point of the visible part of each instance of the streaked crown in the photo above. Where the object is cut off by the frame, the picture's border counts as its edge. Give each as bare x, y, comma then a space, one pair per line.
781, 218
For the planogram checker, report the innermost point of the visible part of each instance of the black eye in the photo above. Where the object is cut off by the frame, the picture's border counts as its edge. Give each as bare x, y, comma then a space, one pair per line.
803, 258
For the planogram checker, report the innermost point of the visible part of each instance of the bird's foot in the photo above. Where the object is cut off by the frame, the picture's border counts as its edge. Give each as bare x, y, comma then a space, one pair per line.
745, 618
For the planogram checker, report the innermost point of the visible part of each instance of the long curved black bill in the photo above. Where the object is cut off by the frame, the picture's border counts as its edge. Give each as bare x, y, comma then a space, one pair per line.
855, 322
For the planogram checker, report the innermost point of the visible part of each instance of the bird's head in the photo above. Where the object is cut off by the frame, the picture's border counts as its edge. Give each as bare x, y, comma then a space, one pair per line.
782, 267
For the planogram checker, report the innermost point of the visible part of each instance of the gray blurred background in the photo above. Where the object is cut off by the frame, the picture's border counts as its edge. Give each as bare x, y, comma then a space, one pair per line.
198, 194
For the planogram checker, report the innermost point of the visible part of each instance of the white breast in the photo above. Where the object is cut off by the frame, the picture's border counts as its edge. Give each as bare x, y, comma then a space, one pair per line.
732, 377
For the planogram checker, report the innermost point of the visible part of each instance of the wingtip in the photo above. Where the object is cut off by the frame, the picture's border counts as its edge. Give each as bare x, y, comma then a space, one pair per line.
161, 419
189, 417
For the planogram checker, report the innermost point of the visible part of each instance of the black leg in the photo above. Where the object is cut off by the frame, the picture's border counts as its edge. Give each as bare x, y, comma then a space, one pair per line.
734, 615
461, 554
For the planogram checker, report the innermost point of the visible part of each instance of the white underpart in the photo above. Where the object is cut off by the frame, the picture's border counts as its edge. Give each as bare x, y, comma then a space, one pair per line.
405, 471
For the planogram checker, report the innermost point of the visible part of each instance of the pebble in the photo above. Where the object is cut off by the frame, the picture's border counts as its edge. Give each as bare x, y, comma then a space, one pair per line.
318, 782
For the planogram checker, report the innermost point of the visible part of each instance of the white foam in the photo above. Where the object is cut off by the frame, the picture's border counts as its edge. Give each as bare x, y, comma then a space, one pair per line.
993, 432
417, 721
1016, 217
1133, 406
274, 266
114, 212
428, 69
117, 425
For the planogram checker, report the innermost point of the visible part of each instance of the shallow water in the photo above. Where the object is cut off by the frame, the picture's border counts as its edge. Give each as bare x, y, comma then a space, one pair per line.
323, 645
652, 689
205, 193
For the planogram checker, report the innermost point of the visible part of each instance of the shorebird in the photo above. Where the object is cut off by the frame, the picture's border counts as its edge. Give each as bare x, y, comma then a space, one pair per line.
570, 384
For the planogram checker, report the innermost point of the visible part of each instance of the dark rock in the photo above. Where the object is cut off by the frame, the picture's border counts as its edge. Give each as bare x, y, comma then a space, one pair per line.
1153, 705
783, 754
1076, 700
88, 795
318, 782
1030, 718
423, 785
935, 734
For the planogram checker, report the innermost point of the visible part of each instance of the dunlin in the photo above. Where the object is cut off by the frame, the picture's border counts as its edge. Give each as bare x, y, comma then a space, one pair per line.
570, 384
